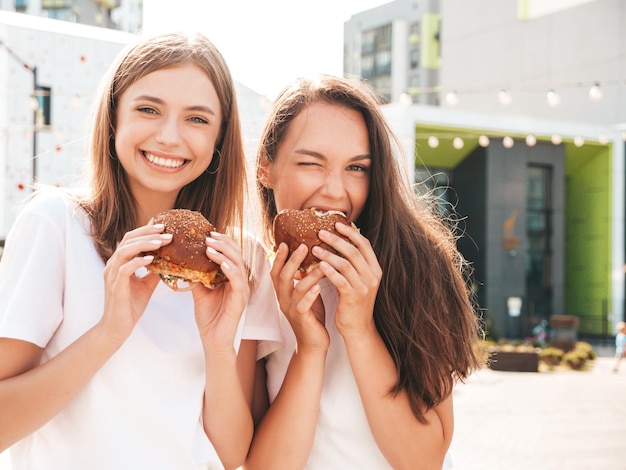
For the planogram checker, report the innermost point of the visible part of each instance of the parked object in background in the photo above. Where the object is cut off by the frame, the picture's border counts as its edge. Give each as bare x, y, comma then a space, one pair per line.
563, 331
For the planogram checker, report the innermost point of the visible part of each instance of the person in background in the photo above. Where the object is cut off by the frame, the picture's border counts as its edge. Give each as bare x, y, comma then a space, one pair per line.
620, 345
376, 335
102, 365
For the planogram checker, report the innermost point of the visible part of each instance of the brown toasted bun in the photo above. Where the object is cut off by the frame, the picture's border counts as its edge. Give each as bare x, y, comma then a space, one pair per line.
295, 227
184, 258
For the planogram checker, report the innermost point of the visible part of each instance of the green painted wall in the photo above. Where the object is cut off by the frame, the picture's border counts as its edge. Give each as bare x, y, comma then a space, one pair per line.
588, 235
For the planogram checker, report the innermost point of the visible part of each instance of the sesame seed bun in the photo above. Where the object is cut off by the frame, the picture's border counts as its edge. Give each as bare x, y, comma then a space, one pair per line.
295, 227
184, 258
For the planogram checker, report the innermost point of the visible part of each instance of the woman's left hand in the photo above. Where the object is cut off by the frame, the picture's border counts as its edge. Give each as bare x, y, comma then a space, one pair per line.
219, 310
356, 274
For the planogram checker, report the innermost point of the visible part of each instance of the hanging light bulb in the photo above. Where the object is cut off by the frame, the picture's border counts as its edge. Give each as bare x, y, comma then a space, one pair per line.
556, 139
603, 139
483, 141
579, 141
531, 140
504, 97
433, 142
507, 142
553, 99
452, 98
458, 143
595, 92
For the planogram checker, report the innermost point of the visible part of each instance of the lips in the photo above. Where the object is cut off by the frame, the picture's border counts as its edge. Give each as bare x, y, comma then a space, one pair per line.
163, 161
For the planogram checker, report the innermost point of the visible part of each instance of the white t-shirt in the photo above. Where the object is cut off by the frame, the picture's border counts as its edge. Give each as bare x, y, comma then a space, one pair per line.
143, 408
343, 439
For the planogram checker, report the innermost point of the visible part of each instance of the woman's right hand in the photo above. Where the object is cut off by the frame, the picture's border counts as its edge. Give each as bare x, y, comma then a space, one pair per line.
125, 294
301, 304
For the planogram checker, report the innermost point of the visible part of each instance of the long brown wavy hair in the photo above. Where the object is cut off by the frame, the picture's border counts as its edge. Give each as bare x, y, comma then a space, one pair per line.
424, 310
218, 193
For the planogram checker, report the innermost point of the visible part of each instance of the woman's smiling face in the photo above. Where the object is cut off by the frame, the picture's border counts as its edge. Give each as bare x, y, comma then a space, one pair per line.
168, 123
323, 162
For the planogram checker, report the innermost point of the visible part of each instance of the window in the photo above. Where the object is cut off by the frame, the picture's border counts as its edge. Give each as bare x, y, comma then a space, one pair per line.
414, 57
367, 42
367, 66
539, 240
21, 5
383, 63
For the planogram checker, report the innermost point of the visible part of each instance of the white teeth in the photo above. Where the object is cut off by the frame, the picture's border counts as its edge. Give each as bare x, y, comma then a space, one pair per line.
166, 162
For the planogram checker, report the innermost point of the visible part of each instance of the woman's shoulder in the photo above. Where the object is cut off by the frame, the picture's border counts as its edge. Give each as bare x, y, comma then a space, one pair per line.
51, 203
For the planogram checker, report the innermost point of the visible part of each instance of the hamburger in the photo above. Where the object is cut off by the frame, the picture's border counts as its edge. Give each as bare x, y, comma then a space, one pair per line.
184, 258
295, 227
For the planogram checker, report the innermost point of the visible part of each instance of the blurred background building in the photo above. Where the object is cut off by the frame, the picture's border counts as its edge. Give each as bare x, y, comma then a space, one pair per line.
123, 15
511, 110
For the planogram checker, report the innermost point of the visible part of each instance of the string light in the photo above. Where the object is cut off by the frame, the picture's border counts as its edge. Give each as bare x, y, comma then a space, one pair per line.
507, 142
433, 142
579, 141
556, 139
458, 143
504, 97
553, 98
452, 98
483, 141
531, 140
595, 92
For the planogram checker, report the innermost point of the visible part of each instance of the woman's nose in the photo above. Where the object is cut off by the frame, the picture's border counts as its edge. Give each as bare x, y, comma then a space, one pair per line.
168, 132
334, 185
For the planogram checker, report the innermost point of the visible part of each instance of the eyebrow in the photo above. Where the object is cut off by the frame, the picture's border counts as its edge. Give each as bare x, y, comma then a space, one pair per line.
154, 99
319, 156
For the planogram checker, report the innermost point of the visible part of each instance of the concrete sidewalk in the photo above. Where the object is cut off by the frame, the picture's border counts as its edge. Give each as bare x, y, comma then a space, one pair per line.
542, 421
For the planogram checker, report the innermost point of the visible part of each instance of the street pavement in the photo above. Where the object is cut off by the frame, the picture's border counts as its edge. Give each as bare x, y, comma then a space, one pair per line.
541, 421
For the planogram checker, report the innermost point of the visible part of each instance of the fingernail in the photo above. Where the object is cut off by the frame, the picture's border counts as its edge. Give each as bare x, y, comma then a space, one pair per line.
166, 236
148, 258
210, 240
211, 250
159, 226
156, 242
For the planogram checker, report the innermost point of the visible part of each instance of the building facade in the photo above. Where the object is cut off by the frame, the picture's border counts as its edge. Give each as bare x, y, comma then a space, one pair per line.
396, 48
123, 15
527, 144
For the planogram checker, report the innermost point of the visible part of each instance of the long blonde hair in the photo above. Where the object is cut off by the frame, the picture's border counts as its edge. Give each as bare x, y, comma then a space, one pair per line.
218, 193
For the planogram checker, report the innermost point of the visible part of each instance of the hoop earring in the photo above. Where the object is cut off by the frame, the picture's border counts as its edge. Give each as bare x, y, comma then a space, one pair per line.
216, 156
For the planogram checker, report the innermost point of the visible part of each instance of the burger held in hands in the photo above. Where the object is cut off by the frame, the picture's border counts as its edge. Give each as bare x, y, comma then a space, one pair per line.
184, 259
295, 227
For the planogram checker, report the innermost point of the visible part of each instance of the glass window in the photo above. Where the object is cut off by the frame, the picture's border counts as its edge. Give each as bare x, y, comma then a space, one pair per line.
539, 240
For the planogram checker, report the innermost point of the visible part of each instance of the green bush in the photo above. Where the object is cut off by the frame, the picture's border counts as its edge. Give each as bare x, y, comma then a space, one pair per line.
575, 359
586, 349
551, 357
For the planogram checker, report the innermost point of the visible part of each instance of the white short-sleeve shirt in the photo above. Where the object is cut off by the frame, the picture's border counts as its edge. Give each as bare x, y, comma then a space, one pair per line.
143, 408
343, 439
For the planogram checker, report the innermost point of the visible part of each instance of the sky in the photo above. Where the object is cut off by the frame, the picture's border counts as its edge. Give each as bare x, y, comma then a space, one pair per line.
266, 43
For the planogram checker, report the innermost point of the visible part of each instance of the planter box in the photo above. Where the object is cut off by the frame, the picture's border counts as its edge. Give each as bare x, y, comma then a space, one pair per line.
514, 361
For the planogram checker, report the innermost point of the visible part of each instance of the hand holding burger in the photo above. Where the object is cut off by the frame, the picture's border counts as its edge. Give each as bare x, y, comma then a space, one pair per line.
296, 227
184, 258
